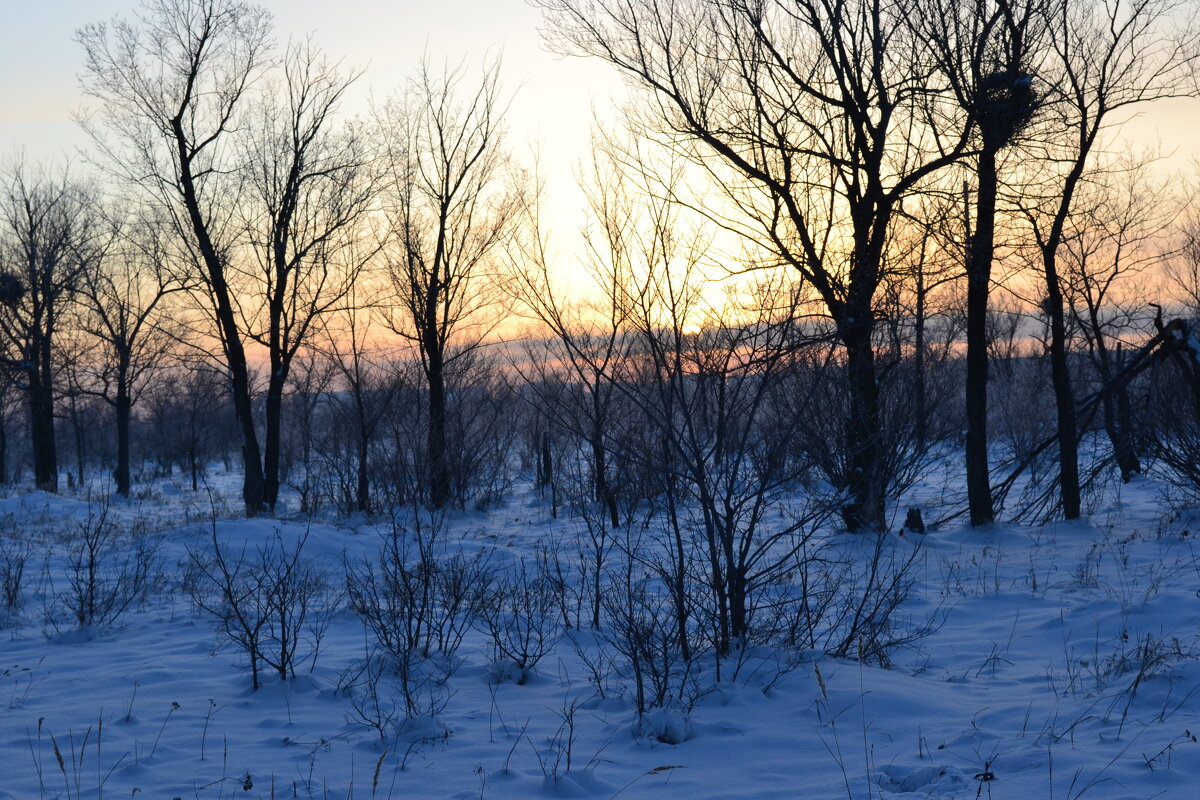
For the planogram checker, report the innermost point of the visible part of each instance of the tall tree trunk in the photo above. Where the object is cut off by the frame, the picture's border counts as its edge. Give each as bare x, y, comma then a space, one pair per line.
80, 444
1126, 448
253, 489
194, 465
1117, 414
123, 410
865, 509
739, 616
604, 492
41, 434
919, 365
435, 455
979, 275
1064, 395
279, 359
718, 581
677, 579
1054, 307
362, 496
3, 446
545, 461
272, 439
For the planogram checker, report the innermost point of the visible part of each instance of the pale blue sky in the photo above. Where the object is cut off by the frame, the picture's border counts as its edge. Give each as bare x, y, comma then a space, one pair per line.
39, 64
552, 106
39, 61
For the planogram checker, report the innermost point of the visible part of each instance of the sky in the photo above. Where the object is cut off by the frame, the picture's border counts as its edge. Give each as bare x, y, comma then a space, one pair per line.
555, 100
552, 98
40, 61
39, 64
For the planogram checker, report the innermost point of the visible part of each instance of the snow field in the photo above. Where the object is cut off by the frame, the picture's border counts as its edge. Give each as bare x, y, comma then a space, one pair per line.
1064, 666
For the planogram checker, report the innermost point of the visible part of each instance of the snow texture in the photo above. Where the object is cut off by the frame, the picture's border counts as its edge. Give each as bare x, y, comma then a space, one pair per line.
1065, 668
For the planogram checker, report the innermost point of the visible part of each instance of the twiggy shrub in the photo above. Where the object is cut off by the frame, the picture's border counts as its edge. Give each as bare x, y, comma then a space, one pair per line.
850, 606
13, 558
640, 624
370, 706
417, 602
272, 604
522, 621
108, 570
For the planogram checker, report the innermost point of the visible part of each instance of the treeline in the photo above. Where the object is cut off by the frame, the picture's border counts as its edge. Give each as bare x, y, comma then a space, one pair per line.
828, 241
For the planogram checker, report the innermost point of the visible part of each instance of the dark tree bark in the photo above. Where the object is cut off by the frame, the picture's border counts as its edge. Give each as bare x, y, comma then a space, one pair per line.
311, 191
985, 49
171, 90
1118, 415
920, 356
603, 488
41, 433
1106, 58
435, 446
47, 239
802, 112
4, 476
1115, 236
122, 297
123, 409
450, 210
253, 485
979, 275
866, 508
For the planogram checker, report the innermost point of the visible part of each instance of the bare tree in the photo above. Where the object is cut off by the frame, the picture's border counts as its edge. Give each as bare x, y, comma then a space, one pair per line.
814, 119
989, 51
309, 188
48, 229
924, 268
1183, 269
124, 296
714, 397
78, 406
365, 390
593, 335
172, 87
449, 209
1118, 234
1105, 59
311, 384
184, 418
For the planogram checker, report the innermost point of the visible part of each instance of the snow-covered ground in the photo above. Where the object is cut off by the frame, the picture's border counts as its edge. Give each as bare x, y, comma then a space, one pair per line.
1065, 666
